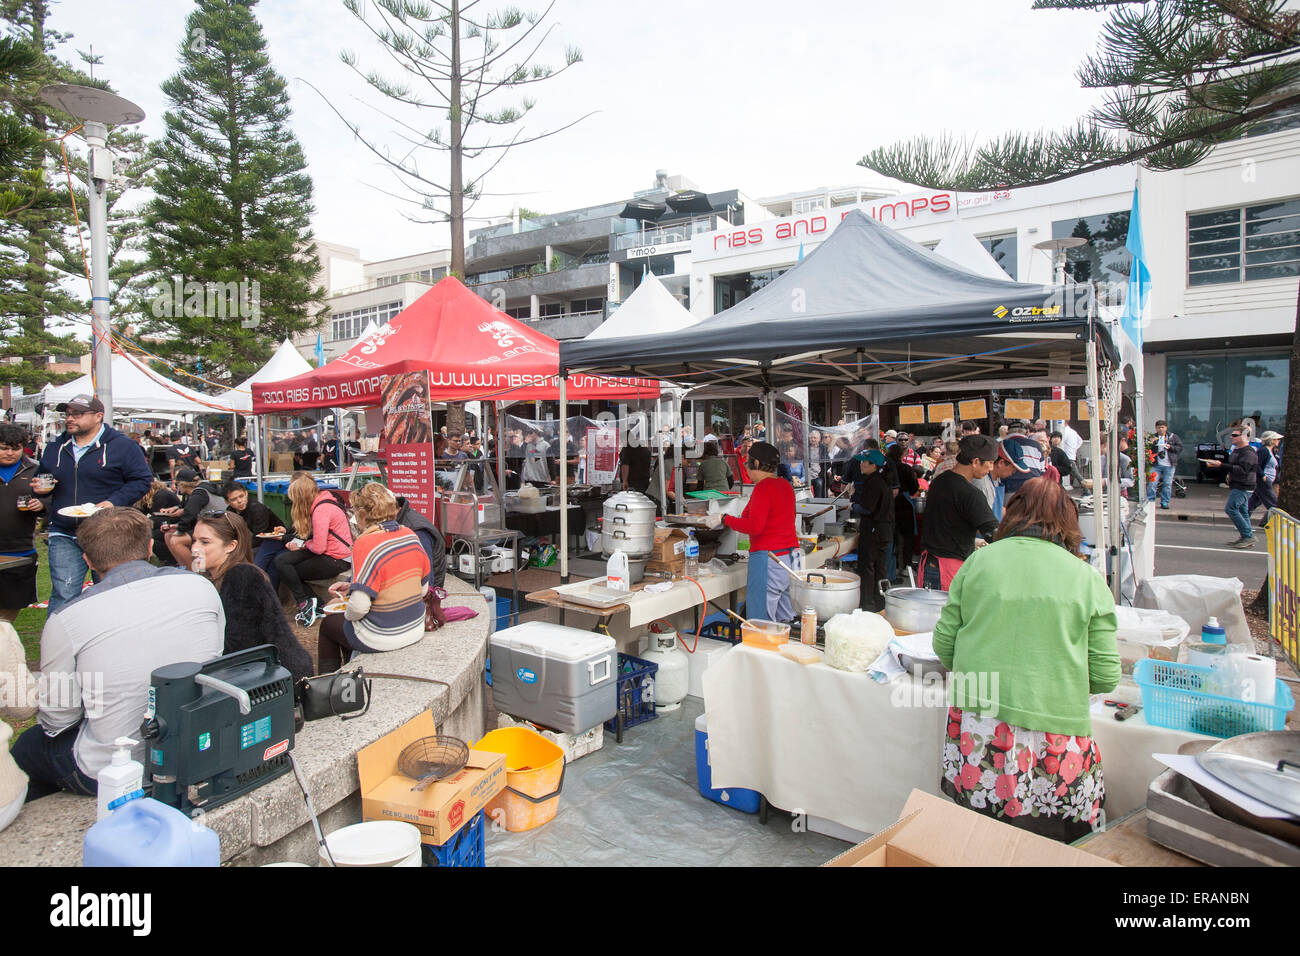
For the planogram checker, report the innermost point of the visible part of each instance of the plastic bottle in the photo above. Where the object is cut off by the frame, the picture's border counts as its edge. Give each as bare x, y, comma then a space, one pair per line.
692, 554
1212, 632
198, 563
122, 775
616, 572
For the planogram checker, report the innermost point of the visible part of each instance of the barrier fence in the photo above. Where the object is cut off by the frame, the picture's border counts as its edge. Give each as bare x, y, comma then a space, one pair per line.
1283, 533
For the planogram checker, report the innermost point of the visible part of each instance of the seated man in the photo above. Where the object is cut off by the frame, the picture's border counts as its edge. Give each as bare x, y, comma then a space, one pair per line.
99, 650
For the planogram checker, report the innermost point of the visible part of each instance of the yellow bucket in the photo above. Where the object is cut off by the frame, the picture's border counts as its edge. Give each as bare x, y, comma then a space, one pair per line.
534, 777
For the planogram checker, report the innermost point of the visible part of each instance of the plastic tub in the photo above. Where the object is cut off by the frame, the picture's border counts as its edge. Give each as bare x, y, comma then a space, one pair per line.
1177, 696
378, 843
767, 635
534, 777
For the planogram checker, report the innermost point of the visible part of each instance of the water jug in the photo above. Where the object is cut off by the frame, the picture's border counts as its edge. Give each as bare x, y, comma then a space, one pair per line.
145, 832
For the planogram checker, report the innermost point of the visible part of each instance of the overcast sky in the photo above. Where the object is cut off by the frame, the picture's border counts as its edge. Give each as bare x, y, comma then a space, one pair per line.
768, 96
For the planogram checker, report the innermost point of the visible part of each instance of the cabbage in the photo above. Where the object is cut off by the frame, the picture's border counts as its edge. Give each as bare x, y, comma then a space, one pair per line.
854, 641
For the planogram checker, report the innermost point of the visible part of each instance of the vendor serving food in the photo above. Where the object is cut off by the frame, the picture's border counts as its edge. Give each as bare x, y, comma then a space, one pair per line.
768, 519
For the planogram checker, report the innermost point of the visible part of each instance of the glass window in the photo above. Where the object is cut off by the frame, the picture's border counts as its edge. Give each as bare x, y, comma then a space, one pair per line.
1206, 393
1241, 245
1104, 259
1285, 119
349, 325
1003, 251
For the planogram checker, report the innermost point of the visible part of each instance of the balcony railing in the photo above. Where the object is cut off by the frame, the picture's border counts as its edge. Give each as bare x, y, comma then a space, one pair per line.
383, 281
535, 269
663, 235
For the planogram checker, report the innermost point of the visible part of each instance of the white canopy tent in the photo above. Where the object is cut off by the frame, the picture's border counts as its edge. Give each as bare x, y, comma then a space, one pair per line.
960, 247
137, 389
650, 310
285, 363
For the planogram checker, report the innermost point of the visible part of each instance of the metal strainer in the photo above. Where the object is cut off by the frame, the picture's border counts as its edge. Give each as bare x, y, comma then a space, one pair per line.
432, 758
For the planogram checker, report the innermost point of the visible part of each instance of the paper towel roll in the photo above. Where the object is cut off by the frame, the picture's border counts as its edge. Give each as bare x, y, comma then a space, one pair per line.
1259, 678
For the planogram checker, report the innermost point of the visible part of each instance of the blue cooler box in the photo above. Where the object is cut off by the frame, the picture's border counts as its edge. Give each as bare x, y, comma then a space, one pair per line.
560, 677
746, 801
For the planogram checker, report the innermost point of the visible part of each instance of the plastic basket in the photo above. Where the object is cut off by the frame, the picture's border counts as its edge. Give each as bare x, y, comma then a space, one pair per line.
1174, 696
465, 848
720, 627
505, 614
636, 693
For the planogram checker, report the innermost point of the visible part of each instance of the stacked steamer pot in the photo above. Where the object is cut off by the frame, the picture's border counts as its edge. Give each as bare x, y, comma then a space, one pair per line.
628, 525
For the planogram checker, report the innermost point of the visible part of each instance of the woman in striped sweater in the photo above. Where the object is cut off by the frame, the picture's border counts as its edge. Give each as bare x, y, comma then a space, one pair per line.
385, 598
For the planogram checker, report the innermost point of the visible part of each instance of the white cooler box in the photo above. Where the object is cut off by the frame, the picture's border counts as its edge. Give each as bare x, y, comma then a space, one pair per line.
558, 676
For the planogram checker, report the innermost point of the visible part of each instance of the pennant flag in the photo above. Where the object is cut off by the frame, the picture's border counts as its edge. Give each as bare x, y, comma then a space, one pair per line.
800, 259
320, 351
1139, 279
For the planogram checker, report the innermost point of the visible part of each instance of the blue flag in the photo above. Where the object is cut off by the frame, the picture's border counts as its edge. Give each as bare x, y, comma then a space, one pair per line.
320, 351
1139, 279
800, 259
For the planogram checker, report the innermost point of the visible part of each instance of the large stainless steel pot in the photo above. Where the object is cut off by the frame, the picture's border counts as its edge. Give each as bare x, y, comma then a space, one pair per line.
913, 609
628, 524
827, 592
1268, 746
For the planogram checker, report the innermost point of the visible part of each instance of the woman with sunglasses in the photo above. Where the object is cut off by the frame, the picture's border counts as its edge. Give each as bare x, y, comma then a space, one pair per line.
222, 551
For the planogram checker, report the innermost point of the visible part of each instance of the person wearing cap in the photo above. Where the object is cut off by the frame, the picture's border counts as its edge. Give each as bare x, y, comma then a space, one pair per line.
19, 511
768, 519
1167, 447
890, 437
958, 518
1025, 453
1265, 475
873, 505
91, 463
1243, 464
197, 497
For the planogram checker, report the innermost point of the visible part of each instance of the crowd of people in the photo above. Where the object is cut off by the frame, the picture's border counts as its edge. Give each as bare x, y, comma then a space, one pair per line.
186, 572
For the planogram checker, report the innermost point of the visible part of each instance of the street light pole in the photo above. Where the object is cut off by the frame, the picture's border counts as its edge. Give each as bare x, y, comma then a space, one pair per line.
97, 109
100, 165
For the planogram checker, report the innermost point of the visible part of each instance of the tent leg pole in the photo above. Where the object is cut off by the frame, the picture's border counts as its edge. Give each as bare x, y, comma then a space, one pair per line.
1113, 503
564, 479
501, 449
659, 450
679, 466
1094, 446
259, 456
1139, 422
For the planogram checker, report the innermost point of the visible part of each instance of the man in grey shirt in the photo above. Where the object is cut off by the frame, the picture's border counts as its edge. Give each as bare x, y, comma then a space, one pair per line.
536, 469
99, 650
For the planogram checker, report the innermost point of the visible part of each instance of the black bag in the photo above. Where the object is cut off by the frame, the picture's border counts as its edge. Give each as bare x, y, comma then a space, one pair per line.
335, 695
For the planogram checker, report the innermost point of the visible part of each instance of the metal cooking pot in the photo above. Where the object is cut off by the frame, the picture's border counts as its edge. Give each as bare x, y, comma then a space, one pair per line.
913, 609
1269, 746
628, 524
827, 592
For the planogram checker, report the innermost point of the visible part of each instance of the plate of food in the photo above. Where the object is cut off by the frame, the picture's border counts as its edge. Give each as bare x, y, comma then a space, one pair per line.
335, 607
78, 511
269, 536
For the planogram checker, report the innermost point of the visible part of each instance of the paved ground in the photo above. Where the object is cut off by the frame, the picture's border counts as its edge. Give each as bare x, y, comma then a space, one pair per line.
1199, 547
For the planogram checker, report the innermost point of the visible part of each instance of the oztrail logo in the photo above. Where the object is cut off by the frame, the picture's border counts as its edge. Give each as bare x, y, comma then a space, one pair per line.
1023, 312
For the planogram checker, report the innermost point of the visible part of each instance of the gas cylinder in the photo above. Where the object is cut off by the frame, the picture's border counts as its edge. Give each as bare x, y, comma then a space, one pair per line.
673, 679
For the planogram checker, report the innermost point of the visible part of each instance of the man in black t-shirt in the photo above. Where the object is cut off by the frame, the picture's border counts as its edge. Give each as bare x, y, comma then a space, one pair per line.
243, 459
634, 467
182, 454
956, 511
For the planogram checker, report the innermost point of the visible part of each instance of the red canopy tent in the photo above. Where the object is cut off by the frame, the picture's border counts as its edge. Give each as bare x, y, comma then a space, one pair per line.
472, 352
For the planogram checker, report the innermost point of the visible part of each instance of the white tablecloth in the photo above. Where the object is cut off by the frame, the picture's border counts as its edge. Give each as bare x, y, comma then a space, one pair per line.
1126, 763
828, 743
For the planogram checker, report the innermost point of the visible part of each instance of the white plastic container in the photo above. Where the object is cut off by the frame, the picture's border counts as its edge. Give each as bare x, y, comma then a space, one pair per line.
377, 843
122, 776
573, 745
617, 577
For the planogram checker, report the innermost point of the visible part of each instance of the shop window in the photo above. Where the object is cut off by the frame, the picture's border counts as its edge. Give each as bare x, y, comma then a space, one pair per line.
1104, 260
1206, 393
1243, 245
349, 325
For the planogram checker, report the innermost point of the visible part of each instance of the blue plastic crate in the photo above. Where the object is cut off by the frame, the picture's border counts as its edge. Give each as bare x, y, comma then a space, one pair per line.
636, 692
505, 614
465, 848
1180, 697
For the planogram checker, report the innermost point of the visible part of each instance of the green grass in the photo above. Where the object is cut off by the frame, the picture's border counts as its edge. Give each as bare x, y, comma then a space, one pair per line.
31, 620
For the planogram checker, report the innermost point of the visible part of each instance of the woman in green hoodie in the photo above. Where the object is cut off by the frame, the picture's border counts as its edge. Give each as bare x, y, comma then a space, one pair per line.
1029, 634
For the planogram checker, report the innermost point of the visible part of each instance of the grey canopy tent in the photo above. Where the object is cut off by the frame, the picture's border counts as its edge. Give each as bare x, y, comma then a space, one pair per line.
872, 310
868, 307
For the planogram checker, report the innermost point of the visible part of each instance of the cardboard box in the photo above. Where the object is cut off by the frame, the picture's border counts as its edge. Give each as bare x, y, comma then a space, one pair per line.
441, 808
933, 831
670, 544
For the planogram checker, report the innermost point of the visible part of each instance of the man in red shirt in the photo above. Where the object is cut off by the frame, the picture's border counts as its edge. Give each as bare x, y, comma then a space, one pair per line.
768, 519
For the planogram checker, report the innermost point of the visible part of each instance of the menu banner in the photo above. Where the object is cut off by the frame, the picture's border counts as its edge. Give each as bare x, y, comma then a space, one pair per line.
1020, 408
973, 408
1054, 411
911, 414
408, 440
940, 412
601, 445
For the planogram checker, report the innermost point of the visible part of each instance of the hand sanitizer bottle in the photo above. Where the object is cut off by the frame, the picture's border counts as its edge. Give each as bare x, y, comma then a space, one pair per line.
120, 777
